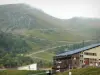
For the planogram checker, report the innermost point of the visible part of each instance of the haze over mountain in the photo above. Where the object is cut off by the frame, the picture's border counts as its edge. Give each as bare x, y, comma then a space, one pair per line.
27, 31
24, 16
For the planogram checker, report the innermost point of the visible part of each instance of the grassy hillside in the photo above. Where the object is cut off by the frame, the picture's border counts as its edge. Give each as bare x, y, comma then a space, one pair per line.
24, 72
83, 71
12, 50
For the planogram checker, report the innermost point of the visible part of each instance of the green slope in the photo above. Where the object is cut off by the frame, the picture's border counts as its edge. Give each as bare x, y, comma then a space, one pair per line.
17, 72
83, 71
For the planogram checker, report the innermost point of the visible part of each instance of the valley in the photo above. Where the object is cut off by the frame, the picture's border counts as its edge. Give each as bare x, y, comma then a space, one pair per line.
27, 33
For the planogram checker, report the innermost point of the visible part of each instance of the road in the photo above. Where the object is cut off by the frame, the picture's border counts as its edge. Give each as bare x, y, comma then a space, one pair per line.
53, 48
44, 50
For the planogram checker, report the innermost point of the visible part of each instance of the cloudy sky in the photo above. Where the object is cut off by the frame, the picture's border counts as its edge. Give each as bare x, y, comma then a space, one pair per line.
64, 8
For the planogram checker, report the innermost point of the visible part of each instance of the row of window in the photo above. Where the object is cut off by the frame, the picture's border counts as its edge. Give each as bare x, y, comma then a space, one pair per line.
91, 60
92, 54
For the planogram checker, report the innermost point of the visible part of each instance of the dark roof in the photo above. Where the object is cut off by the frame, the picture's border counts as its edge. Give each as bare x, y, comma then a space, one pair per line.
78, 50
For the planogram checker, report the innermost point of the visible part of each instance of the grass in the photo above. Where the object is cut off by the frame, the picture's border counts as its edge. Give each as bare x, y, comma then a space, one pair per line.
39, 39
21, 72
45, 55
83, 71
57, 35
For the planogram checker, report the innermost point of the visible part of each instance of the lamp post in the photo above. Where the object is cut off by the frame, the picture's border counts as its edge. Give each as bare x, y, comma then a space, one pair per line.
70, 73
48, 72
74, 61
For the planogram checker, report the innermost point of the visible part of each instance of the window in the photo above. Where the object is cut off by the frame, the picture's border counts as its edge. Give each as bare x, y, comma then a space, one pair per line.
95, 59
57, 70
58, 66
86, 53
81, 55
81, 61
58, 62
94, 54
75, 63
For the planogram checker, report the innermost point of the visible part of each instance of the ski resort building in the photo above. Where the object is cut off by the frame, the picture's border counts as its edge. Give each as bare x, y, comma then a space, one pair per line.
86, 56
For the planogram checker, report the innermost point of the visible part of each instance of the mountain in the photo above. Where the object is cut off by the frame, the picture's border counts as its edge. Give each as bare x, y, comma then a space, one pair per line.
85, 23
89, 27
28, 34
22, 16
19, 18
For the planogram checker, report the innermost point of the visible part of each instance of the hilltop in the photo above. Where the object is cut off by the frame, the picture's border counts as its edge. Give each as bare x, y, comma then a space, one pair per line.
22, 16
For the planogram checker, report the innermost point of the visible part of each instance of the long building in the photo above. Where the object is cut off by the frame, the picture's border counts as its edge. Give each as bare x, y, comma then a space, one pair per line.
28, 67
86, 56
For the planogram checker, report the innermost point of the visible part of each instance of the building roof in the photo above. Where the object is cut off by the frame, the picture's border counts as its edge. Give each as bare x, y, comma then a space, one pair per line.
78, 50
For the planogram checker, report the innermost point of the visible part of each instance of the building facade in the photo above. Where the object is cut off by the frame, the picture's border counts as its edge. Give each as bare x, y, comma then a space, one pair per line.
83, 57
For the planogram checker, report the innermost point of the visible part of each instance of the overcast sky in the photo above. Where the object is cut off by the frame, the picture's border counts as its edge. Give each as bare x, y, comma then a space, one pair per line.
64, 8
